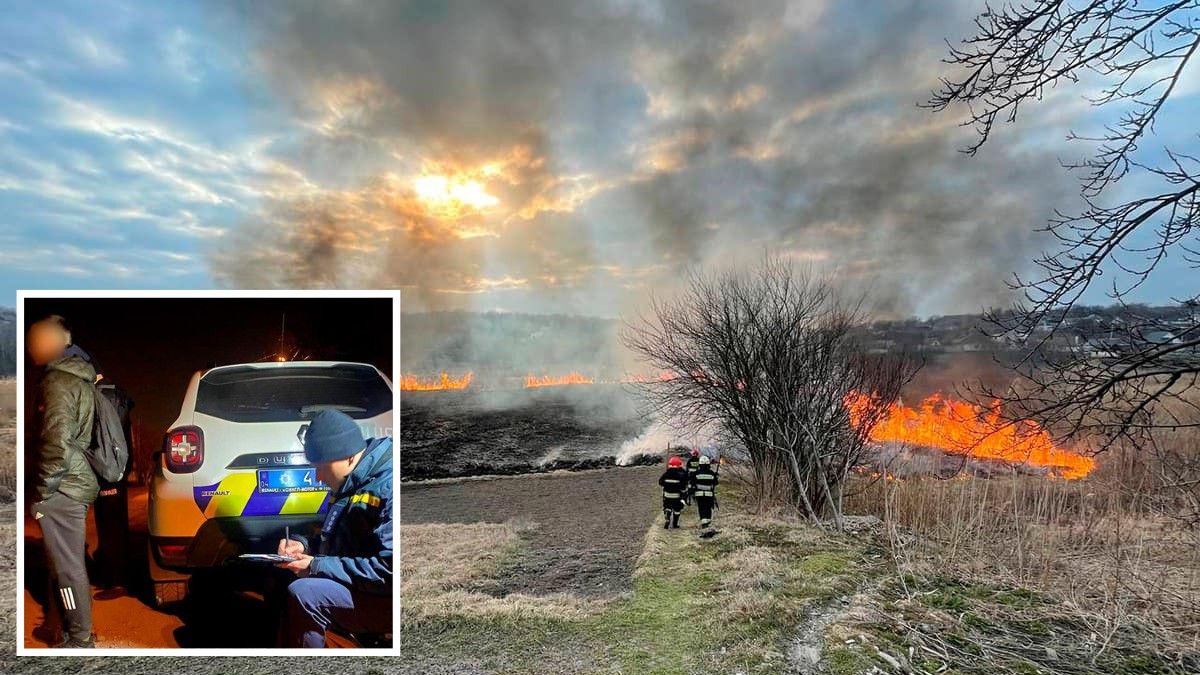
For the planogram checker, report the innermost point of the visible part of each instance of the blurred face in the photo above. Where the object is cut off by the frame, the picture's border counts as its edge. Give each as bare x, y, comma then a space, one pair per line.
46, 342
334, 473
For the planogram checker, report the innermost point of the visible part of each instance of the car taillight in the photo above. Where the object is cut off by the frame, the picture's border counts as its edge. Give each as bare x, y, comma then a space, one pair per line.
185, 449
172, 551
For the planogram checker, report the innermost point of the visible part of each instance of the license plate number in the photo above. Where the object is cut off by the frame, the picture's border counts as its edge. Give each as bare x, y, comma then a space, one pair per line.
289, 480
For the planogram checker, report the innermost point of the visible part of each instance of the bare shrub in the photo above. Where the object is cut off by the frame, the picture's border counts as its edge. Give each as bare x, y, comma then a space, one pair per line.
767, 356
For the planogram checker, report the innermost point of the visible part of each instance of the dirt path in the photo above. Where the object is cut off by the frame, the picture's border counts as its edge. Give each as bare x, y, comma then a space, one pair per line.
589, 527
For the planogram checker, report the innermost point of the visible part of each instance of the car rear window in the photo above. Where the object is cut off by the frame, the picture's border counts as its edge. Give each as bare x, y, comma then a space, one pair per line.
292, 393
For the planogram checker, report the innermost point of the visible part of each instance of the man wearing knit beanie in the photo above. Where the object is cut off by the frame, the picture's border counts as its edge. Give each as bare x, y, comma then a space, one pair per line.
345, 571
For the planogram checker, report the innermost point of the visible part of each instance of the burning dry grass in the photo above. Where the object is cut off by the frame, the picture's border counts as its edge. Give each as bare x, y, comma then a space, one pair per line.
1114, 556
534, 381
962, 428
442, 382
440, 564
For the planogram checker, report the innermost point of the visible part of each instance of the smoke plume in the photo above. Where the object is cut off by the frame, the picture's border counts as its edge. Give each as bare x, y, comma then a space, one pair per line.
583, 154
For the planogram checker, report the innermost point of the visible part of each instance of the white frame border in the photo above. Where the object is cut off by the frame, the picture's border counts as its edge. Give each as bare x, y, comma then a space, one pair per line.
22, 650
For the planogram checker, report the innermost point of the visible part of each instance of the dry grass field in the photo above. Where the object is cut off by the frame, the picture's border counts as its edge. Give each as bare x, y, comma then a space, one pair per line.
1120, 556
768, 594
8, 521
8, 434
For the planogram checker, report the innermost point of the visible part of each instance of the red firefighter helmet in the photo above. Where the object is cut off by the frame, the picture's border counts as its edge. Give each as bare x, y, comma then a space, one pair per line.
675, 462
695, 452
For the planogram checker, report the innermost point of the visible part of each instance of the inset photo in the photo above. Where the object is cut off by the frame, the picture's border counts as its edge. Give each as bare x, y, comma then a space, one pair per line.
206, 472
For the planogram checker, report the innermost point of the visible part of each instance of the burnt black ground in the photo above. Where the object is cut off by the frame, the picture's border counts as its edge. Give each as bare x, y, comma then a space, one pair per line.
590, 526
448, 434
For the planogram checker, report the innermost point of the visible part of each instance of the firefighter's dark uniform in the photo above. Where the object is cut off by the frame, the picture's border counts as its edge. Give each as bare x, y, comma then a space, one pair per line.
692, 463
674, 486
704, 489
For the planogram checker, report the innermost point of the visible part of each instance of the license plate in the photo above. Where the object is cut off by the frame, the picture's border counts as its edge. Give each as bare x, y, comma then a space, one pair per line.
289, 480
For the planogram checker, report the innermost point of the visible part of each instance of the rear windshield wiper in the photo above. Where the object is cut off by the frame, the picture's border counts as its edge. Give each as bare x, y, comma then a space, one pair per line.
310, 409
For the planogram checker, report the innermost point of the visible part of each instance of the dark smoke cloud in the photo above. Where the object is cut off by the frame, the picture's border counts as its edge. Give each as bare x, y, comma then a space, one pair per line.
635, 139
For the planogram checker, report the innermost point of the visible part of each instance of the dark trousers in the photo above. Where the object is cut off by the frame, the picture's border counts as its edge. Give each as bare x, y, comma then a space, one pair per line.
64, 534
705, 506
112, 534
315, 605
671, 510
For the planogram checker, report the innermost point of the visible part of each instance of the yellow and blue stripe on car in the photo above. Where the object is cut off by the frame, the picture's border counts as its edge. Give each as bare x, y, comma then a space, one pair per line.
237, 495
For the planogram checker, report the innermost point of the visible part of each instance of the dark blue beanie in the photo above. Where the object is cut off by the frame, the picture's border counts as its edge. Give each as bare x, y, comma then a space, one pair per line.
331, 436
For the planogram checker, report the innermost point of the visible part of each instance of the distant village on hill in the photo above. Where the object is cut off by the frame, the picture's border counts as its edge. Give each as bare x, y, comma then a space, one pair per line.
520, 343
1090, 330
563, 341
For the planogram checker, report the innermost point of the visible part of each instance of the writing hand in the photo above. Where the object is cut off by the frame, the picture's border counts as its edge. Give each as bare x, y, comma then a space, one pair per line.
290, 548
299, 566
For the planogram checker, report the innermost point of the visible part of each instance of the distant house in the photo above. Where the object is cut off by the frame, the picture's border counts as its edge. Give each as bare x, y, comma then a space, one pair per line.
1161, 337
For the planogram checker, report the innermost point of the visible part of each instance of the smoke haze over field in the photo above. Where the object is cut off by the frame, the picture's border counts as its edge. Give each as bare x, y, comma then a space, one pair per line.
509, 344
570, 157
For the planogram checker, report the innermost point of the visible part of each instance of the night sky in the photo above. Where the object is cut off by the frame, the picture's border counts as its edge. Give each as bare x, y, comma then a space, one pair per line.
151, 347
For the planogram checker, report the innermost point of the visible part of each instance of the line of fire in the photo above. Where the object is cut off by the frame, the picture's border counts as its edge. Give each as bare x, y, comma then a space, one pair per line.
936, 422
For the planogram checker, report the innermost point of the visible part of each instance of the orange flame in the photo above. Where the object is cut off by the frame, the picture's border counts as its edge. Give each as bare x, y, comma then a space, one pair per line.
966, 429
552, 381
662, 376
442, 383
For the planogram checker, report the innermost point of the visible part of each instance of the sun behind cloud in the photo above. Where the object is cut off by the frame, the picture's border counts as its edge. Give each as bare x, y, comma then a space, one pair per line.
453, 196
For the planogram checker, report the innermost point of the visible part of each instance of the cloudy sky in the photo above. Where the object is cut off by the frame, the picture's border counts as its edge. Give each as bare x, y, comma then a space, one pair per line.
520, 156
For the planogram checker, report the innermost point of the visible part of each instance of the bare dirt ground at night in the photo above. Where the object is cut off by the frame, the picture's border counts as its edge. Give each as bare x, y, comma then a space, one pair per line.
465, 433
580, 533
229, 619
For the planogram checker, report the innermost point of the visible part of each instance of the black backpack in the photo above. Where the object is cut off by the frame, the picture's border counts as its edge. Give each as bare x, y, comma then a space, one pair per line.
108, 453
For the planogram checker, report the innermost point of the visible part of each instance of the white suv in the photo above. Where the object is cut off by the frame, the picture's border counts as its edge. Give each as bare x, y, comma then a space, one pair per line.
232, 475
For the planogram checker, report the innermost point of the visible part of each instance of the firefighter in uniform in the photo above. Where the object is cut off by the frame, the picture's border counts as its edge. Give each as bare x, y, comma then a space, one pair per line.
704, 489
674, 487
693, 463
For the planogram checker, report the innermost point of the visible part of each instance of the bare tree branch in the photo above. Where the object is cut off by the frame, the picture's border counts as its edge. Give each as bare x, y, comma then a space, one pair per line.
769, 357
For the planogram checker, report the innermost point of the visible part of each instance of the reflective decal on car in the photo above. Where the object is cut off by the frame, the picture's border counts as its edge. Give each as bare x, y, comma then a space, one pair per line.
237, 495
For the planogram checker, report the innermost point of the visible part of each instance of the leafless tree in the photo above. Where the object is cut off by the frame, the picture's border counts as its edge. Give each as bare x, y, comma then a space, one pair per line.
1124, 385
768, 357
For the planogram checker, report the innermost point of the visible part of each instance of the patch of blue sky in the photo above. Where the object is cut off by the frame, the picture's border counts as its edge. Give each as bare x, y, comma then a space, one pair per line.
131, 136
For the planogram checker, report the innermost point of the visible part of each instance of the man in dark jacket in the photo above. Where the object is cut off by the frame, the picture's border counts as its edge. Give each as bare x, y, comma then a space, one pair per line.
346, 577
65, 485
112, 502
674, 483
